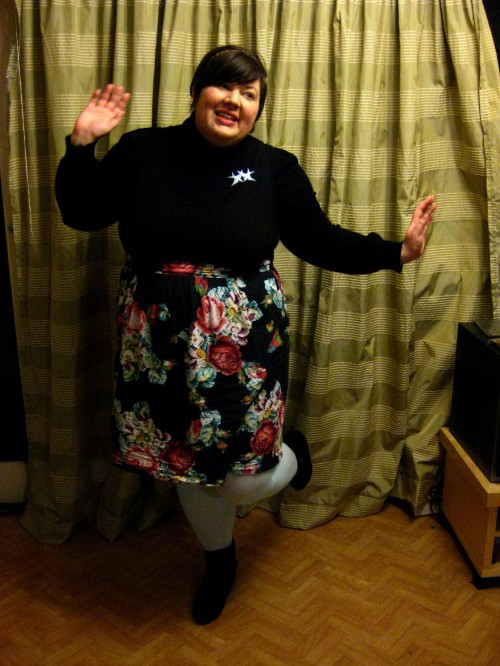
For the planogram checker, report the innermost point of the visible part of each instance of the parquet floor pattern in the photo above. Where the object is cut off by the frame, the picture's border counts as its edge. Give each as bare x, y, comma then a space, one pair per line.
375, 591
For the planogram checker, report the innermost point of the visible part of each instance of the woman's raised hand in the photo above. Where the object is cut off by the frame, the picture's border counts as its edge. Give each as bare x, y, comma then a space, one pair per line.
101, 115
414, 240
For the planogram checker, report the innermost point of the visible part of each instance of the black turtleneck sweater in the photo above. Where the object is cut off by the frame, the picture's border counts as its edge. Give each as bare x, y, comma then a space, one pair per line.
179, 198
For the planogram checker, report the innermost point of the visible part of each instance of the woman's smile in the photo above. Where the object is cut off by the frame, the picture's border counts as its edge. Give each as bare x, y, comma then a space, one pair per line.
228, 117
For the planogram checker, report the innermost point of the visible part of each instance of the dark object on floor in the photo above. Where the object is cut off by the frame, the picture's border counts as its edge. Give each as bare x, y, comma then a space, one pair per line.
298, 443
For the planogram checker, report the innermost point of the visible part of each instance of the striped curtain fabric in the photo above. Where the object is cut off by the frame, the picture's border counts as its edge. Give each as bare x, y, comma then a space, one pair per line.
383, 102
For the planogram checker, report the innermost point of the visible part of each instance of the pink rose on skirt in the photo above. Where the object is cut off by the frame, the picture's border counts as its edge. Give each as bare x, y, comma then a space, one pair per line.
211, 314
225, 355
264, 437
178, 457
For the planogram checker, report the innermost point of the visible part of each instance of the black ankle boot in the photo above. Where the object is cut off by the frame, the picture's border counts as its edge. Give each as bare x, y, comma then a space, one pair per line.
298, 443
216, 585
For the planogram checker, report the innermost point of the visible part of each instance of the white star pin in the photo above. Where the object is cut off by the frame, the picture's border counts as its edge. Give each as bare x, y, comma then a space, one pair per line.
241, 176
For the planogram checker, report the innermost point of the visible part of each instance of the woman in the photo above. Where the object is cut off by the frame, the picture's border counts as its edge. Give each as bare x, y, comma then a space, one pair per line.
202, 356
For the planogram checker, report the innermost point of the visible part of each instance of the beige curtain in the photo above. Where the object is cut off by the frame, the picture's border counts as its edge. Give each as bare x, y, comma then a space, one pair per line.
383, 102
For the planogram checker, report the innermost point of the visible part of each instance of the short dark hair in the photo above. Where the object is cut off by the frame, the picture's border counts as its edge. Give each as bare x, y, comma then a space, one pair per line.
229, 64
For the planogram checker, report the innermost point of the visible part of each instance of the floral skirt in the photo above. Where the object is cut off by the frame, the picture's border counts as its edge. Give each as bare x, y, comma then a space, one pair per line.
201, 372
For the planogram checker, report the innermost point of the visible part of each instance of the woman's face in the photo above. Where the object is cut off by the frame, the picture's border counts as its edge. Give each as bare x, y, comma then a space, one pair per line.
226, 113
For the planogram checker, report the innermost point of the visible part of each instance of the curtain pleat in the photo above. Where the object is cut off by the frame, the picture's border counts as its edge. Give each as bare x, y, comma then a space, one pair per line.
383, 103
458, 105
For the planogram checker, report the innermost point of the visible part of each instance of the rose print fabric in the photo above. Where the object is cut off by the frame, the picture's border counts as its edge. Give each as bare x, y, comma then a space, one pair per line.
201, 372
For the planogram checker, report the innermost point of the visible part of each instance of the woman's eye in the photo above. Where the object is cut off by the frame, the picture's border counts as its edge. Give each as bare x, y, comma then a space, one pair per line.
250, 95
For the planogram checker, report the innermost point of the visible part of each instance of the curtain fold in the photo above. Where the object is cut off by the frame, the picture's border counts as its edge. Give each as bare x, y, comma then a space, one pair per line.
459, 104
383, 103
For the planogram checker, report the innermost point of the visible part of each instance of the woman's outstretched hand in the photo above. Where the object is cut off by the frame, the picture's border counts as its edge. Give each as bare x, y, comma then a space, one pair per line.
414, 240
101, 115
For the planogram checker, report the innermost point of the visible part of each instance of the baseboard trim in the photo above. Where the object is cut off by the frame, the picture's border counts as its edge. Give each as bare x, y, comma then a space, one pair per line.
11, 508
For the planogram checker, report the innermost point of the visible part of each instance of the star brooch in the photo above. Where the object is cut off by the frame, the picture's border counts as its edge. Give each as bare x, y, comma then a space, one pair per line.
241, 177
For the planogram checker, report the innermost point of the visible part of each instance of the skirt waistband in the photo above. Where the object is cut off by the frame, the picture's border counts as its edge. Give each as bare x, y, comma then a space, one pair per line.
203, 270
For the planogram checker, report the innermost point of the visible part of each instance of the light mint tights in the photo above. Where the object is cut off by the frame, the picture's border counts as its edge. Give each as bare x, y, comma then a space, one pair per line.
211, 511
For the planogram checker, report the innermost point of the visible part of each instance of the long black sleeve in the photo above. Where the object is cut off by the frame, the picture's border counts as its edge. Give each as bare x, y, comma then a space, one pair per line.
307, 232
91, 193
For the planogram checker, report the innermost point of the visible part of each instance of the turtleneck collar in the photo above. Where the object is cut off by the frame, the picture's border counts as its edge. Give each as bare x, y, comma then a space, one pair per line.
197, 142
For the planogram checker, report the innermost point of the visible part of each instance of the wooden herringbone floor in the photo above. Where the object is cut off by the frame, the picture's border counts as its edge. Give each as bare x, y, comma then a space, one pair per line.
375, 591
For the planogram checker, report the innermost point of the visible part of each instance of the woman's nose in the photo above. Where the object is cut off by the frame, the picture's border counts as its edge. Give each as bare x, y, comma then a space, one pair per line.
232, 97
